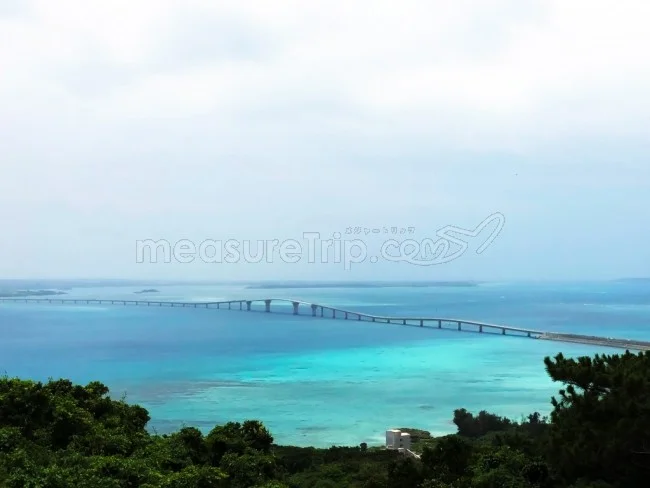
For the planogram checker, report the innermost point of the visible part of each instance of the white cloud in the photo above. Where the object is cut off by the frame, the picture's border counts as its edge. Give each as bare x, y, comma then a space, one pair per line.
511, 70
313, 110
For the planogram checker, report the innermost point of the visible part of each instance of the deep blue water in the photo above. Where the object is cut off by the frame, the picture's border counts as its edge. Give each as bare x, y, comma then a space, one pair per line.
319, 381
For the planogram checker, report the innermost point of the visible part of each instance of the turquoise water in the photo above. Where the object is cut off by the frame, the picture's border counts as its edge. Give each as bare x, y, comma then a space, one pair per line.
318, 381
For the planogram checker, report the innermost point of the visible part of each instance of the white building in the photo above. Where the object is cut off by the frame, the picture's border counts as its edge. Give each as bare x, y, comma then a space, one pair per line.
396, 439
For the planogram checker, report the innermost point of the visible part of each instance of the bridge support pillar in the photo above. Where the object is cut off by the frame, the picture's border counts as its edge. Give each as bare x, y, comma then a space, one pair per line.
322, 312
333, 313
459, 325
373, 319
313, 309
529, 334
359, 317
480, 328
267, 304
295, 308
248, 305
345, 316
241, 305
421, 323
503, 331
404, 322
229, 305
440, 324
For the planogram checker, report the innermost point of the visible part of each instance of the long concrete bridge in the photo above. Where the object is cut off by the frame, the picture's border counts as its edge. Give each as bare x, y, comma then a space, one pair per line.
298, 307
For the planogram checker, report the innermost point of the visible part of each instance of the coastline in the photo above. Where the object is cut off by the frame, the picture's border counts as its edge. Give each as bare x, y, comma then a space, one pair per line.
30, 293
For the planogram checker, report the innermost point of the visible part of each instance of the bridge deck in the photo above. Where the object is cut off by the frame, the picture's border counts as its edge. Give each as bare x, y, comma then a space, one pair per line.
339, 313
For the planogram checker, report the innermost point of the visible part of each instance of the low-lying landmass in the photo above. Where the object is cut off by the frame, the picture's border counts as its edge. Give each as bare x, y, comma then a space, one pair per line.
149, 290
58, 435
370, 284
29, 293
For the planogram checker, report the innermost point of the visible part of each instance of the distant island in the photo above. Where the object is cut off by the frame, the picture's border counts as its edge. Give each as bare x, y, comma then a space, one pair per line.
383, 284
29, 293
633, 280
150, 290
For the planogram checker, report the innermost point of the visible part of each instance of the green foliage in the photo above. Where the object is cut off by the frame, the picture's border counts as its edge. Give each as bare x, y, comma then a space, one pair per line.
600, 427
248, 469
196, 477
449, 459
484, 422
60, 435
405, 473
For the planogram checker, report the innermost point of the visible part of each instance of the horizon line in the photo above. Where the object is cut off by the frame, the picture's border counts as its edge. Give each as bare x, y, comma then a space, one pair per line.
324, 281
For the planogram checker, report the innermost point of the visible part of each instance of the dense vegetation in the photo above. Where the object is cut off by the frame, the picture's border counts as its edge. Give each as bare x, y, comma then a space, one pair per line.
59, 435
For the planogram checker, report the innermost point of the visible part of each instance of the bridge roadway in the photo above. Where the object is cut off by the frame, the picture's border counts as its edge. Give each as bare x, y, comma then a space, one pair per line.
338, 313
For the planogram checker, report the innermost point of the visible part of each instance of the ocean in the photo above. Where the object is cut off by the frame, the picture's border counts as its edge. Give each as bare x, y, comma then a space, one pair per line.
318, 381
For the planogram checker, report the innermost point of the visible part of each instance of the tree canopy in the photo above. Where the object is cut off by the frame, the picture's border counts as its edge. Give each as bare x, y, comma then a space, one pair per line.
58, 435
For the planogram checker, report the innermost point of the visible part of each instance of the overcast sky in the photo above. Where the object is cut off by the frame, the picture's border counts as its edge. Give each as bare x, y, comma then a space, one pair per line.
202, 119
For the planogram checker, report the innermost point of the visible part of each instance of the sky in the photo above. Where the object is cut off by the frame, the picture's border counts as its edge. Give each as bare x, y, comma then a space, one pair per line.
203, 120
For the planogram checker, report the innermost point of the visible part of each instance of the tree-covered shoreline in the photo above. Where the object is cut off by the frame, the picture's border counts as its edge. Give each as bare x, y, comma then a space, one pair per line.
58, 434
29, 293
